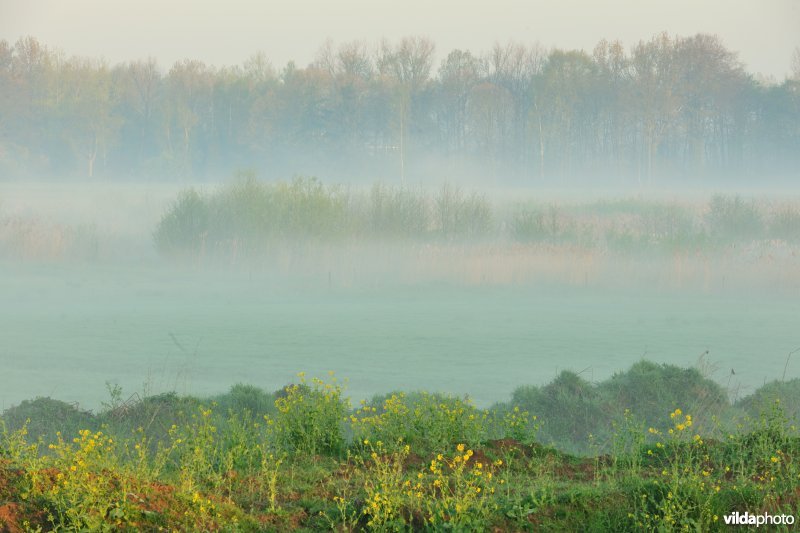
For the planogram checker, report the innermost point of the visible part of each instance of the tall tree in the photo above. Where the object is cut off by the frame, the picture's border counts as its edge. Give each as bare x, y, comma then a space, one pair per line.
407, 68
89, 102
656, 96
189, 109
459, 73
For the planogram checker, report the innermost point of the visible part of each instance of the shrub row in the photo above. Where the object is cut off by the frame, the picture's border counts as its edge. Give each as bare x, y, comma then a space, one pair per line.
249, 216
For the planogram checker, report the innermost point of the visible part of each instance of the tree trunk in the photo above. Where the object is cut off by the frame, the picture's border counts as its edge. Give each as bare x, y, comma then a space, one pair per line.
92, 156
541, 150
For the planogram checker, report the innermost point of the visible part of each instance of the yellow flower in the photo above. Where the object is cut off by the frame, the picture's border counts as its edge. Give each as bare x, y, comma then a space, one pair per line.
460, 447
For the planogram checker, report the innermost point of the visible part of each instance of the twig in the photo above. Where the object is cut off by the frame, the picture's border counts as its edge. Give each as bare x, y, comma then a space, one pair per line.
787, 363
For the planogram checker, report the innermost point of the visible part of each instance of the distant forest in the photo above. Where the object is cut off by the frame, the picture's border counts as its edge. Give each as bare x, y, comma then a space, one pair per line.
665, 109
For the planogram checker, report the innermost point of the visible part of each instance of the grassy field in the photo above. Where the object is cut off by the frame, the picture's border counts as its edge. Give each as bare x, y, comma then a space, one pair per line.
159, 330
179, 292
680, 457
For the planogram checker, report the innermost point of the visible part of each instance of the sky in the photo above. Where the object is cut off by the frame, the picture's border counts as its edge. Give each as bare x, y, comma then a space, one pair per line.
763, 32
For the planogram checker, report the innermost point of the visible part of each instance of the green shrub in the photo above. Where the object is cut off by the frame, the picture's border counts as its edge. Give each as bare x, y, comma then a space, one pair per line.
460, 215
786, 225
569, 407
732, 218
649, 390
398, 212
785, 392
310, 417
243, 398
45, 417
154, 414
184, 227
671, 227
427, 422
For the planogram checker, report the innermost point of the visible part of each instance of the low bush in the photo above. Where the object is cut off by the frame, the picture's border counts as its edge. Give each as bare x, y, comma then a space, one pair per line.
733, 218
310, 417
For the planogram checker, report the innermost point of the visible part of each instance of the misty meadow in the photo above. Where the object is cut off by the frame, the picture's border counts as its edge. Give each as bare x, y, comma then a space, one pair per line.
525, 288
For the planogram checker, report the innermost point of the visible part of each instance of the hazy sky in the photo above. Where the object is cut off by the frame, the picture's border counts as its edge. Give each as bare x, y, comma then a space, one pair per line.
764, 32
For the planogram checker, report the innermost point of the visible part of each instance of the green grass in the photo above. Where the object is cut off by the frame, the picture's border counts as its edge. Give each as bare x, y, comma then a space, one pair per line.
302, 459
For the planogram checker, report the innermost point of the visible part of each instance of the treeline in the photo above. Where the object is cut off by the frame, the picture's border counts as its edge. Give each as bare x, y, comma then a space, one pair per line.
669, 107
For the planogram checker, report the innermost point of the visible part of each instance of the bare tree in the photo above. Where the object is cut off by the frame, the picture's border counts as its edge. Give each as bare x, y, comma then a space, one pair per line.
408, 67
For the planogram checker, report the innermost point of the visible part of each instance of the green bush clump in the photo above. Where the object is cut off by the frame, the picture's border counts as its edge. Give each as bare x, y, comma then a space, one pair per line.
182, 229
570, 407
398, 212
247, 215
461, 215
536, 225
733, 218
243, 398
671, 227
427, 422
787, 393
648, 389
785, 225
44, 417
154, 414
310, 417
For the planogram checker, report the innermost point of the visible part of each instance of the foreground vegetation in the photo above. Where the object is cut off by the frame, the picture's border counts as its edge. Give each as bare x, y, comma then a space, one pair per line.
676, 456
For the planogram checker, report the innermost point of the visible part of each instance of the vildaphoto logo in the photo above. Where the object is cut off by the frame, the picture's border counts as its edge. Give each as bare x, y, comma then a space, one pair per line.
747, 519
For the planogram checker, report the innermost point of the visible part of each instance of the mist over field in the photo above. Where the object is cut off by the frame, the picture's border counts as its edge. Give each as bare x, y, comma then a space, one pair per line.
495, 216
411, 265
476, 292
